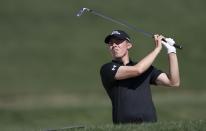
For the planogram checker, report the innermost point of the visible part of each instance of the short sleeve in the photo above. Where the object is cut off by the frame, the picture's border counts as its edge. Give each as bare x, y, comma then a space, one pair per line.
154, 74
108, 72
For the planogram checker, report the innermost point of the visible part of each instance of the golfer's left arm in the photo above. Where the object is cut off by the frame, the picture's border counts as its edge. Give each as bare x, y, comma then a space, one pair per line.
172, 79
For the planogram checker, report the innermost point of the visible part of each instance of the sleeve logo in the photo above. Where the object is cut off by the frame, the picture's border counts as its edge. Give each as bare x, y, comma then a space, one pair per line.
114, 67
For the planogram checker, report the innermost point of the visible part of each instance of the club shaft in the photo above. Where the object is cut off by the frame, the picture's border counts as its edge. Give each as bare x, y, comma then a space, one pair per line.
123, 24
148, 34
64, 128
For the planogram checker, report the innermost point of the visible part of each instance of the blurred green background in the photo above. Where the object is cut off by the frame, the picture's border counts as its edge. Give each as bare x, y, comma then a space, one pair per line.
50, 59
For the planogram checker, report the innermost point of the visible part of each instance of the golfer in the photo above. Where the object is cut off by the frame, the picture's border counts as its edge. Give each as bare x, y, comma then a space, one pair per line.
127, 83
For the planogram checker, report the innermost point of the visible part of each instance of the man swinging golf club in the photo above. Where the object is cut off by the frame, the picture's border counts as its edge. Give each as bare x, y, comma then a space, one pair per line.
127, 83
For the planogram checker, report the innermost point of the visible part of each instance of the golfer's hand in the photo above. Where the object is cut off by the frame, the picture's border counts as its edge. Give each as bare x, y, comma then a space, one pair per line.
170, 41
158, 41
169, 45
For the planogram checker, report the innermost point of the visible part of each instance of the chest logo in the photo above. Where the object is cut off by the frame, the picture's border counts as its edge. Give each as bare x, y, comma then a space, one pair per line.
114, 67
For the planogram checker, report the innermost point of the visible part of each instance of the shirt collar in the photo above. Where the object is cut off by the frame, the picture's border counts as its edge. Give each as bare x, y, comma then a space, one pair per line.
121, 63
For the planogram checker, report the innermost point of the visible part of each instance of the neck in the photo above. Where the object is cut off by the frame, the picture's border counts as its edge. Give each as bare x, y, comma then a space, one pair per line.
124, 60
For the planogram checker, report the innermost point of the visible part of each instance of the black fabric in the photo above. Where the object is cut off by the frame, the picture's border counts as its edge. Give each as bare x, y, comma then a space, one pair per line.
131, 98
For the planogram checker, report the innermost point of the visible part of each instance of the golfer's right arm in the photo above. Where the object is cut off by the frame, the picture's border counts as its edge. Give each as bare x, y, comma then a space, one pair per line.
125, 72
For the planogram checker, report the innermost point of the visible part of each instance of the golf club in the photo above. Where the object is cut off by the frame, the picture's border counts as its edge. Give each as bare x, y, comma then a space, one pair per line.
65, 128
148, 34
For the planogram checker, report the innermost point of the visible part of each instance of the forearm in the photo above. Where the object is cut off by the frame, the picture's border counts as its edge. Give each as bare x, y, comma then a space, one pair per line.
147, 61
173, 70
125, 72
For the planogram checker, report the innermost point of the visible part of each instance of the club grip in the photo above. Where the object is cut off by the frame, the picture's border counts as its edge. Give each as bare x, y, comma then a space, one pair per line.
175, 45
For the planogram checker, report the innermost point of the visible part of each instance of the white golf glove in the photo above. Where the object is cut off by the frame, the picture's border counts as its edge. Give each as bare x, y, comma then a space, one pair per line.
169, 45
170, 41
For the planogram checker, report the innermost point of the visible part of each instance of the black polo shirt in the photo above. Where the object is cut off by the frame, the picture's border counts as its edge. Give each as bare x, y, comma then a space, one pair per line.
131, 98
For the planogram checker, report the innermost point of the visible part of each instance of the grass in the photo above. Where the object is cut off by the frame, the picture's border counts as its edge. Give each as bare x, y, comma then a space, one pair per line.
176, 110
189, 125
198, 125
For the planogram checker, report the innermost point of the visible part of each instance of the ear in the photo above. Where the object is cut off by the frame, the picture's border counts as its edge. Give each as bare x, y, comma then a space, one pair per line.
129, 45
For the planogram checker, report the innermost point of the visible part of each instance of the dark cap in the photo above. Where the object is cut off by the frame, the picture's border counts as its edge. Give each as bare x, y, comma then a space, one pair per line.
119, 34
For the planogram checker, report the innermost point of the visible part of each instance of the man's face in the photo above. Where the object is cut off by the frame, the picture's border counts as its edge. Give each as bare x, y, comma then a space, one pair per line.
119, 48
